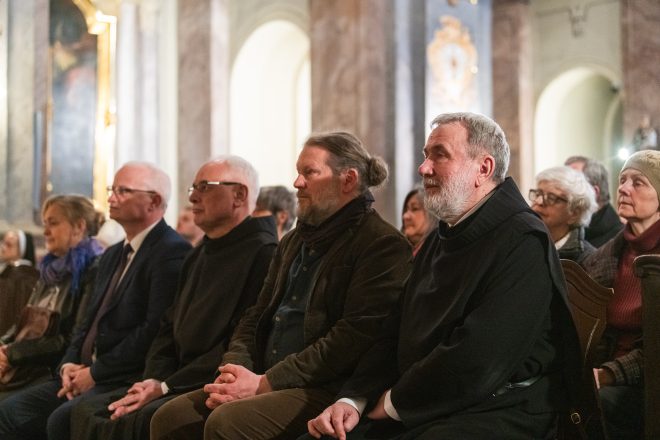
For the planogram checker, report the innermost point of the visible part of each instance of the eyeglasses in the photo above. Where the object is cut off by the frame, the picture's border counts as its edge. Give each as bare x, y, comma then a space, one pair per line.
203, 185
549, 199
121, 191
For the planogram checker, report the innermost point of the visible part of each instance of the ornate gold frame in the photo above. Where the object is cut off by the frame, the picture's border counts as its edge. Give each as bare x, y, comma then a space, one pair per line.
105, 28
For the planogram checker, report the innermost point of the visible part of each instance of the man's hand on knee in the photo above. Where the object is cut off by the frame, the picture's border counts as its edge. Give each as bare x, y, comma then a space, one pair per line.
137, 396
335, 421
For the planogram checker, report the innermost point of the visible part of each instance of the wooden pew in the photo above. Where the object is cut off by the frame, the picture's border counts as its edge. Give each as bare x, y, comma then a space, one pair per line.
647, 268
588, 301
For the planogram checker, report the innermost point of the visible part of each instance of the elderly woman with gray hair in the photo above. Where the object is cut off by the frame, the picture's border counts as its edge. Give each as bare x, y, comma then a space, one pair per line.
565, 201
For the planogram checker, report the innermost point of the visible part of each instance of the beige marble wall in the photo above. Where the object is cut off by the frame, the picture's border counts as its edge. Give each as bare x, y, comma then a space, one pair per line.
512, 93
640, 22
353, 77
4, 29
203, 85
27, 56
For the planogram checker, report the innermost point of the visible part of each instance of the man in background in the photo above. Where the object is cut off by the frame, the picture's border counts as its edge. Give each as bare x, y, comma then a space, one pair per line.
186, 227
605, 222
280, 203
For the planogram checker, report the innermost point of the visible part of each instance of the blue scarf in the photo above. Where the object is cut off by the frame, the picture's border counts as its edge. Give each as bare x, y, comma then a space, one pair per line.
55, 269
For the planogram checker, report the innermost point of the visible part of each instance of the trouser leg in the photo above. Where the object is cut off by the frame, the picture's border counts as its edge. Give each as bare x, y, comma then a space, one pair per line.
276, 415
24, 414
623, 411
181, 418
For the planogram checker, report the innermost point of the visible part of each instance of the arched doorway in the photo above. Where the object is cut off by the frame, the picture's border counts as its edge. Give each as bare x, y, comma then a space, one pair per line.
578, 113
270, 100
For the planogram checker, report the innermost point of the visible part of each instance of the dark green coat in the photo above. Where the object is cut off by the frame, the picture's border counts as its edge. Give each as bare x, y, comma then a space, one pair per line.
359, 279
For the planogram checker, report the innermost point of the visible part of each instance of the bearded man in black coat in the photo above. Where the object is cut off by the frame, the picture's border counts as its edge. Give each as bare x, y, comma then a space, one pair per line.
482, 343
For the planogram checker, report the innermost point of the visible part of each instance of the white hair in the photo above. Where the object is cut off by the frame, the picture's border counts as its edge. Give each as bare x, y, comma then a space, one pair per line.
156, 180
579, 192
249, 176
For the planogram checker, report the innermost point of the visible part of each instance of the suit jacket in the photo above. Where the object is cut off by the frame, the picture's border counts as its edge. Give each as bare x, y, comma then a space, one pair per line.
128, 326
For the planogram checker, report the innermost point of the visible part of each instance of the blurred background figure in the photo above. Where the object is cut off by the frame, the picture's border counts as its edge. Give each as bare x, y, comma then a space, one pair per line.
565, 201
645, 137
605, 222
17, 275
110, 232
280, 203
416, 221
60, 296
186, 227
619, 369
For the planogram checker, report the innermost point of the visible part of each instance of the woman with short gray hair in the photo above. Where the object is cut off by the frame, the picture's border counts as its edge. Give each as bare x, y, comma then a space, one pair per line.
565, 201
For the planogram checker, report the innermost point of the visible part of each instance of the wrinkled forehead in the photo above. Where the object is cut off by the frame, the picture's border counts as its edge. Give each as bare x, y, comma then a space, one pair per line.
313, 155
551, 186
632, 172
133, 177
219, 171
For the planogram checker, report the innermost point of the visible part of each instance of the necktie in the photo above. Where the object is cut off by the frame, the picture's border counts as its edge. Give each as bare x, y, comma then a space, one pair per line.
90, 338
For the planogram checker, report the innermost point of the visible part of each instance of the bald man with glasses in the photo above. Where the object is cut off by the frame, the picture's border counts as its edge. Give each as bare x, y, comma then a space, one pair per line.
135, 284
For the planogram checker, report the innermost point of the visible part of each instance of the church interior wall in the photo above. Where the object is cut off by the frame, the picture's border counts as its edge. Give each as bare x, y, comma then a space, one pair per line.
175, 61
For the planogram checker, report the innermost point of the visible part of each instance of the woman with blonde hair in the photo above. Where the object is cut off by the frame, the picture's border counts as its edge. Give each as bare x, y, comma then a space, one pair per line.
36, 343
416, 221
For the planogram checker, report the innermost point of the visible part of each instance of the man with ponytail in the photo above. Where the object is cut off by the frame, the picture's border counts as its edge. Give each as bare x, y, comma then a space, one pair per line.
332, 281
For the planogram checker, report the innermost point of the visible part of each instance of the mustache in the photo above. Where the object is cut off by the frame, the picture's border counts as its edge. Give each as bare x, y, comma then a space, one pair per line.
431, 182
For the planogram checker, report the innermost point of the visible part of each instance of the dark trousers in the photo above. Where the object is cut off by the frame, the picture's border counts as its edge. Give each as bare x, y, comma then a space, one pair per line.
91, 419
623, 411
502, 424
37, 413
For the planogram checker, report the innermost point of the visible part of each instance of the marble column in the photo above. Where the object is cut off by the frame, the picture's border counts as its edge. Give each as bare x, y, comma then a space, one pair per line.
640, 41
4, 23
512, 83
26, 84
353, 78
203, 84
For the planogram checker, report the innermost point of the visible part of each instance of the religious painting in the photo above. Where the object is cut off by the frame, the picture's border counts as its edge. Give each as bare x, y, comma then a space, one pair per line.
73, 93
452, 58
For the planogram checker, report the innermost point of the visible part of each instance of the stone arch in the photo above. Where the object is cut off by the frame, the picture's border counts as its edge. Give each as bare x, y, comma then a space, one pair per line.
578, 112
270, 100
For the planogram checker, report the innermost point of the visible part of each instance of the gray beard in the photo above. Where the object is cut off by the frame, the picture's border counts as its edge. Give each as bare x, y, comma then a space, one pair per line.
450, 201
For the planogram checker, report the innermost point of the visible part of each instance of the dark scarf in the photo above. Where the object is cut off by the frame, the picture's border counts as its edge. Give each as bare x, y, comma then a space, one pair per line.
321, 237
76, 261
647, 242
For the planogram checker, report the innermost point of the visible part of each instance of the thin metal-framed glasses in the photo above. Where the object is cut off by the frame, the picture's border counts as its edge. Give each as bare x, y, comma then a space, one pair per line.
549, 199
121, 191
203, 185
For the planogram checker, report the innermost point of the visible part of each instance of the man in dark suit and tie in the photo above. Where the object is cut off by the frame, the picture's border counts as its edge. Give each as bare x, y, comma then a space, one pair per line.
136, 282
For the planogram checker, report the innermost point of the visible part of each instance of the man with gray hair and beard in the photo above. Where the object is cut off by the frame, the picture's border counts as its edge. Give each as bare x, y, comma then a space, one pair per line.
331, 283
482, 343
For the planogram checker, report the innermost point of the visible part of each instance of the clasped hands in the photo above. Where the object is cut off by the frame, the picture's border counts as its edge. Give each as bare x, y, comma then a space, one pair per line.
340, 418
235, 382
76, 379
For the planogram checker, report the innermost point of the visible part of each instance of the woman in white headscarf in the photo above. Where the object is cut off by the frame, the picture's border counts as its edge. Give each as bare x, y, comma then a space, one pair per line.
17, 275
